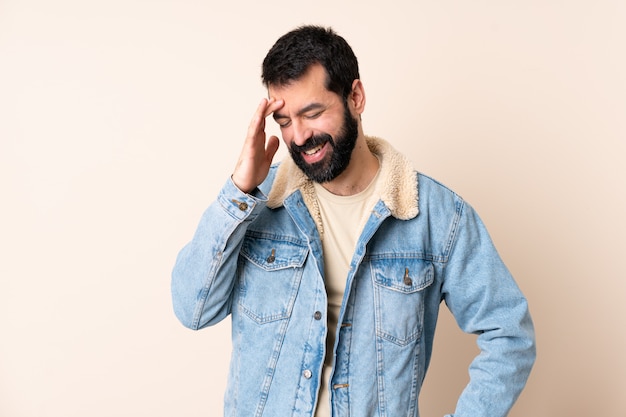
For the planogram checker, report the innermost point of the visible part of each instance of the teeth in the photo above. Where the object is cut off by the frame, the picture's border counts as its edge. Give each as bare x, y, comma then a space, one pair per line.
314, 150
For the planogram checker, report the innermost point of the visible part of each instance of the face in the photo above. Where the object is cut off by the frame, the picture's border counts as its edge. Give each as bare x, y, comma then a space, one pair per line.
335, 159
316, 125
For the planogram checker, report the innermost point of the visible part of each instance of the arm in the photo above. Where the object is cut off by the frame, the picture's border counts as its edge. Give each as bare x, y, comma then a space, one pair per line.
486, 301
204, 273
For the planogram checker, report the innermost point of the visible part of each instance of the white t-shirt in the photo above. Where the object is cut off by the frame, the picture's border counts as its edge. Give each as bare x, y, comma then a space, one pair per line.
343, 218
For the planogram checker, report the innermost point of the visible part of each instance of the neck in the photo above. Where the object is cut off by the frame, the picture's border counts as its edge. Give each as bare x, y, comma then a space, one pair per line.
359, 173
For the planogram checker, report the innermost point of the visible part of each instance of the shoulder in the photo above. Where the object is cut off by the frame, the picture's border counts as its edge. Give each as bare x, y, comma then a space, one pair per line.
438, 201
429, 185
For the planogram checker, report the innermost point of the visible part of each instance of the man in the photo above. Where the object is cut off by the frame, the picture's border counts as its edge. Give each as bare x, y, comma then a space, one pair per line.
334, 262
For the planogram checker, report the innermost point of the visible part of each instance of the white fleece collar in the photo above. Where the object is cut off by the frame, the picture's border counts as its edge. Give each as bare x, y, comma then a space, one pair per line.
397, 184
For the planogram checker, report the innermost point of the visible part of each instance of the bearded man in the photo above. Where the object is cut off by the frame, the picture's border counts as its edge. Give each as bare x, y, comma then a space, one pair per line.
333, 263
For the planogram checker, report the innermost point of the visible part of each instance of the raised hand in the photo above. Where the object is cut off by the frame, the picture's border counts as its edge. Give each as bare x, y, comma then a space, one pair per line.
257, 153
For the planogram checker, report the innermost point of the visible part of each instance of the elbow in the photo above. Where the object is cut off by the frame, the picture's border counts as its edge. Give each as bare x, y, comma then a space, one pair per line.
185, 313
195, 314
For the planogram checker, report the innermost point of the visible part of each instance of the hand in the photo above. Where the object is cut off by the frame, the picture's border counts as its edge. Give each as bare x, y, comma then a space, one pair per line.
257, 153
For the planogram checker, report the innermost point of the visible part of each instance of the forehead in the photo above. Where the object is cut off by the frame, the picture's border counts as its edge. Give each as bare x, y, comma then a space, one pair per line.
311, 86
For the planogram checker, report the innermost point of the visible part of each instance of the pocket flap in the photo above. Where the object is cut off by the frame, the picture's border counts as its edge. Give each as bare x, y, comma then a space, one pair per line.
273, 253
403, 274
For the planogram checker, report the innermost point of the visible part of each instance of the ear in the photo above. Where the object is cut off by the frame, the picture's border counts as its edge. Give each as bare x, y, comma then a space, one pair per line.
356, 98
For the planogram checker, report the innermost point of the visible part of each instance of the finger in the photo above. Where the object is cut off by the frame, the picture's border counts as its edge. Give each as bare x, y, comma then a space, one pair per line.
258, 120
273, 105
272, 146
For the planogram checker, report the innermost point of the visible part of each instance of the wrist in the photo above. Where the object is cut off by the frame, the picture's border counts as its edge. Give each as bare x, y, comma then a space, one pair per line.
240, 186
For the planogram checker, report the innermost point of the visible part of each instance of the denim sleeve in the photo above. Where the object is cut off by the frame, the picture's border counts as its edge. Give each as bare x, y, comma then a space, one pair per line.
204, 273
485, 301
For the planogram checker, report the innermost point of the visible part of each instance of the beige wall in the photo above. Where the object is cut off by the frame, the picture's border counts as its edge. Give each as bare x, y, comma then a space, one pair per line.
120, 119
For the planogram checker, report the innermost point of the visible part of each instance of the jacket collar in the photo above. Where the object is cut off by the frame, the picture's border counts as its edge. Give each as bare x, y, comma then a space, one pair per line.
397, 184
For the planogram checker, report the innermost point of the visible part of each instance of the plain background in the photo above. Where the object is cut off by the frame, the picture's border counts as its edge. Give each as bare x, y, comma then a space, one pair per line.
121, 119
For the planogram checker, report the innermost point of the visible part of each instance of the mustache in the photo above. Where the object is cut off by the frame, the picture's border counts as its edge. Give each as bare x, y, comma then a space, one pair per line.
313, 142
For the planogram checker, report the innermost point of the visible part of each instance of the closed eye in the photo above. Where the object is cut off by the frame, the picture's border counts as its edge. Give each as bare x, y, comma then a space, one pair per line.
314, 115
283, 121
309, 112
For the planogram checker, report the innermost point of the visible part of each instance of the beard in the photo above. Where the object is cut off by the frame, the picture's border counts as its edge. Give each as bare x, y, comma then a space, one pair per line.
337, 159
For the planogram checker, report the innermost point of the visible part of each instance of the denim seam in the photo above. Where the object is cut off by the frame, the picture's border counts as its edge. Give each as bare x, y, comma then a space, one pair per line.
271, 369
210, 278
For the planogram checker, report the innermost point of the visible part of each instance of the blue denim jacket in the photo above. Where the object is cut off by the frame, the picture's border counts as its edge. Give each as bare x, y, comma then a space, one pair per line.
259, 258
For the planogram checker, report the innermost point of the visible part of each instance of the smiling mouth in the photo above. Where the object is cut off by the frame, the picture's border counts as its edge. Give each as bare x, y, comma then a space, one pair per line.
314, 150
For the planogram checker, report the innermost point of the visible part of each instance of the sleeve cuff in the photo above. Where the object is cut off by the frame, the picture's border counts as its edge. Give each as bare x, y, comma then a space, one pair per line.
239, 204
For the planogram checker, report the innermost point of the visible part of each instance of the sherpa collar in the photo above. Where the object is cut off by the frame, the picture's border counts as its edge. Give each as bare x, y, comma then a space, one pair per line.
397, 184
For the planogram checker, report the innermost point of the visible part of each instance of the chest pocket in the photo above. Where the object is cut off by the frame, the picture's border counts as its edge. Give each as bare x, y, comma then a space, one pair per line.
399, 286
270, 272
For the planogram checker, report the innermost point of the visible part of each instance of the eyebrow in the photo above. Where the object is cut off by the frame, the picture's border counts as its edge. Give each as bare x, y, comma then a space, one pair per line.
305, 109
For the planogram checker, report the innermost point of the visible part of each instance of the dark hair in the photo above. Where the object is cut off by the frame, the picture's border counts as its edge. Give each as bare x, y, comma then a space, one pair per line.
294, 53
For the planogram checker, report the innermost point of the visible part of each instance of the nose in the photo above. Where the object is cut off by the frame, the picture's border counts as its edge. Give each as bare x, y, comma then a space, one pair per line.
301, 133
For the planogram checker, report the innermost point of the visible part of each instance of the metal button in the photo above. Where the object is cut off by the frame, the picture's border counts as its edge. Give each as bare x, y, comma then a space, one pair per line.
407, 279
243, 206
317, 315
270, 259
307, 374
